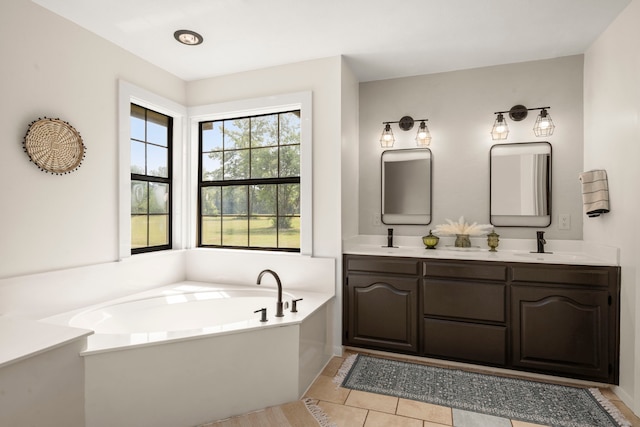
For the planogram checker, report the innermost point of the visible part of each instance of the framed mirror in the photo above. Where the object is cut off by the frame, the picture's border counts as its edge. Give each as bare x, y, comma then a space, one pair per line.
406, 186
520, 194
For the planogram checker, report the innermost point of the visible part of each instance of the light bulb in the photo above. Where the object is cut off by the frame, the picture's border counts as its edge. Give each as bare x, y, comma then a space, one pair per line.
423, 137
544, 125
500, 130
387, 139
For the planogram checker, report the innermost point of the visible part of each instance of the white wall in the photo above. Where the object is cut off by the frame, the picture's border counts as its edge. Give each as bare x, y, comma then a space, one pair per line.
52, 223
350, 151
612, 142
323, 78
350, 184
460, 107
51, 67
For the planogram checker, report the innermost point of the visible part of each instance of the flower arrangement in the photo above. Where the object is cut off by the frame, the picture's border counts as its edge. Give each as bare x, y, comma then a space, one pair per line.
461, 227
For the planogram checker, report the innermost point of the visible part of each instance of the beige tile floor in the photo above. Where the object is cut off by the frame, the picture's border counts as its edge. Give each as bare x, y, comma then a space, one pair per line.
352, 408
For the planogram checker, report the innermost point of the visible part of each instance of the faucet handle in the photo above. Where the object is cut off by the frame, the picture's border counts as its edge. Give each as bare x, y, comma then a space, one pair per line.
263, 316
294, 308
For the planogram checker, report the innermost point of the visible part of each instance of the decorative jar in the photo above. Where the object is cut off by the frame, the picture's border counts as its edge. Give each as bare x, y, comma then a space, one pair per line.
430, 240
492, 240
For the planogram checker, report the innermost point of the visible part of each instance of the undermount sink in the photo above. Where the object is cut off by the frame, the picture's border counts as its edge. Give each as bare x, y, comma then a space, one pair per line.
549, 256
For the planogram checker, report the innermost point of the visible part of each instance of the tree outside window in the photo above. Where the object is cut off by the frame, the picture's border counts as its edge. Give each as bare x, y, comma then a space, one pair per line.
250, 182
151, 146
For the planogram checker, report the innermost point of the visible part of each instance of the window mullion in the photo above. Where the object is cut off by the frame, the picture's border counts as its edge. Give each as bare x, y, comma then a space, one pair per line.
248, 193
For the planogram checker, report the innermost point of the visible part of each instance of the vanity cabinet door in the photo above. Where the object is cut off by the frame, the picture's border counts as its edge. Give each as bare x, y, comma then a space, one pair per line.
562, 330
382, 312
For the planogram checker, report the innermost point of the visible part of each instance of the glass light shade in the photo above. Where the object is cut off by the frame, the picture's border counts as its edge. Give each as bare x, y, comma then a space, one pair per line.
387, 139
423, 138
500, 129
544, 125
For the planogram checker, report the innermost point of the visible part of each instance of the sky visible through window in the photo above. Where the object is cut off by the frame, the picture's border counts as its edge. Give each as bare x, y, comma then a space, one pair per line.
156, 152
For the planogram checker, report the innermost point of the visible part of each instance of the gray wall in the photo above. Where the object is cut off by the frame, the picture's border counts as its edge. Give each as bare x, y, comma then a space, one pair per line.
460, 107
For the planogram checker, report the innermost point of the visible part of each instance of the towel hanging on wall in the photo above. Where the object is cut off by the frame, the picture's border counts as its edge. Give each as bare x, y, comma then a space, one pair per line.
595, 192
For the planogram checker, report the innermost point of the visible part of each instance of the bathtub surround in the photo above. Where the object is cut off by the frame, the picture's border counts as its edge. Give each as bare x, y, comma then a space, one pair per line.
242, 368
204, 379
44, 389
46, 294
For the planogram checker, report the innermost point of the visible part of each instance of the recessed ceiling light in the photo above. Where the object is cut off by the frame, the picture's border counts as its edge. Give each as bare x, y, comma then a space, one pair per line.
188, 37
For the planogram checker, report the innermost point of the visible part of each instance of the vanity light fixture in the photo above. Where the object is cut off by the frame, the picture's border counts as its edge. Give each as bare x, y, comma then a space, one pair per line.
500, 129
387, 139
188, 37
543, 127
423, 137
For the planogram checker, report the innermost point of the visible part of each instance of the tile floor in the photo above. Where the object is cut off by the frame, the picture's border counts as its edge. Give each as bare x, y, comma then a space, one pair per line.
352, 408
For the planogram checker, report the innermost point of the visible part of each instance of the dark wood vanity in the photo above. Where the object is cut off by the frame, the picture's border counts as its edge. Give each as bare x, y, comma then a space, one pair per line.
553, 319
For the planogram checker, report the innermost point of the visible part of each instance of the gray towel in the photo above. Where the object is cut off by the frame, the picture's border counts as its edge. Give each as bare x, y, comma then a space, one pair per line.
595, 192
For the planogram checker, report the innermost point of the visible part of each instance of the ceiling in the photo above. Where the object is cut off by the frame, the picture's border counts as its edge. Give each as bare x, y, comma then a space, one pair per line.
380, 39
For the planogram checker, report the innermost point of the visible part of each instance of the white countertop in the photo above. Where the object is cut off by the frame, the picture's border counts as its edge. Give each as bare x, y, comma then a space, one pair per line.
575, 252
23, 338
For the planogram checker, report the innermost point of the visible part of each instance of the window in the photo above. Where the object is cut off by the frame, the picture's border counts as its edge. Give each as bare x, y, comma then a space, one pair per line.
150, 155
249, 182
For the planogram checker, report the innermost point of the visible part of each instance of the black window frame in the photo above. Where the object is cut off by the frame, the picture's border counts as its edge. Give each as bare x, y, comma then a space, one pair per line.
248, 182
156, 179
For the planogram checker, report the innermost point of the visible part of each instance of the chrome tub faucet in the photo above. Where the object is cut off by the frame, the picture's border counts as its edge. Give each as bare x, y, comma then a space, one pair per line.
279, 310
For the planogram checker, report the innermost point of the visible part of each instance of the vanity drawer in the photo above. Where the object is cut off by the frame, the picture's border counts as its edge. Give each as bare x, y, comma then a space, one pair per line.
383, 265
562, 274
465, 270
465, 341
465, 300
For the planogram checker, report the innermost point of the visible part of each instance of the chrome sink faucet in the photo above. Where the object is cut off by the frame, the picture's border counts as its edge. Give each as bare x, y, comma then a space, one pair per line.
279, 312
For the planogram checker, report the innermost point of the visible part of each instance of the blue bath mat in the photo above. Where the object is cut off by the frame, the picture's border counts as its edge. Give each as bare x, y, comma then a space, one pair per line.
516, 399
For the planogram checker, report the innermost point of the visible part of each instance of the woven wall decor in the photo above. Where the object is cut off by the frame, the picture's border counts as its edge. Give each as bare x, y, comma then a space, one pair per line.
54, 146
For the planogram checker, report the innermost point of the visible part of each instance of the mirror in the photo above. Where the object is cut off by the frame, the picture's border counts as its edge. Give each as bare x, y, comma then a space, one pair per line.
520, 193
406, 186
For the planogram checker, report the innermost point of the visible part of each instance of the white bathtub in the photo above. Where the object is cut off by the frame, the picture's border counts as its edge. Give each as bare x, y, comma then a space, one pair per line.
198, 309
192, 352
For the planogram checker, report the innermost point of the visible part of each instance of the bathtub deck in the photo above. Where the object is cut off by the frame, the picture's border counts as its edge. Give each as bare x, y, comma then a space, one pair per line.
24, 338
